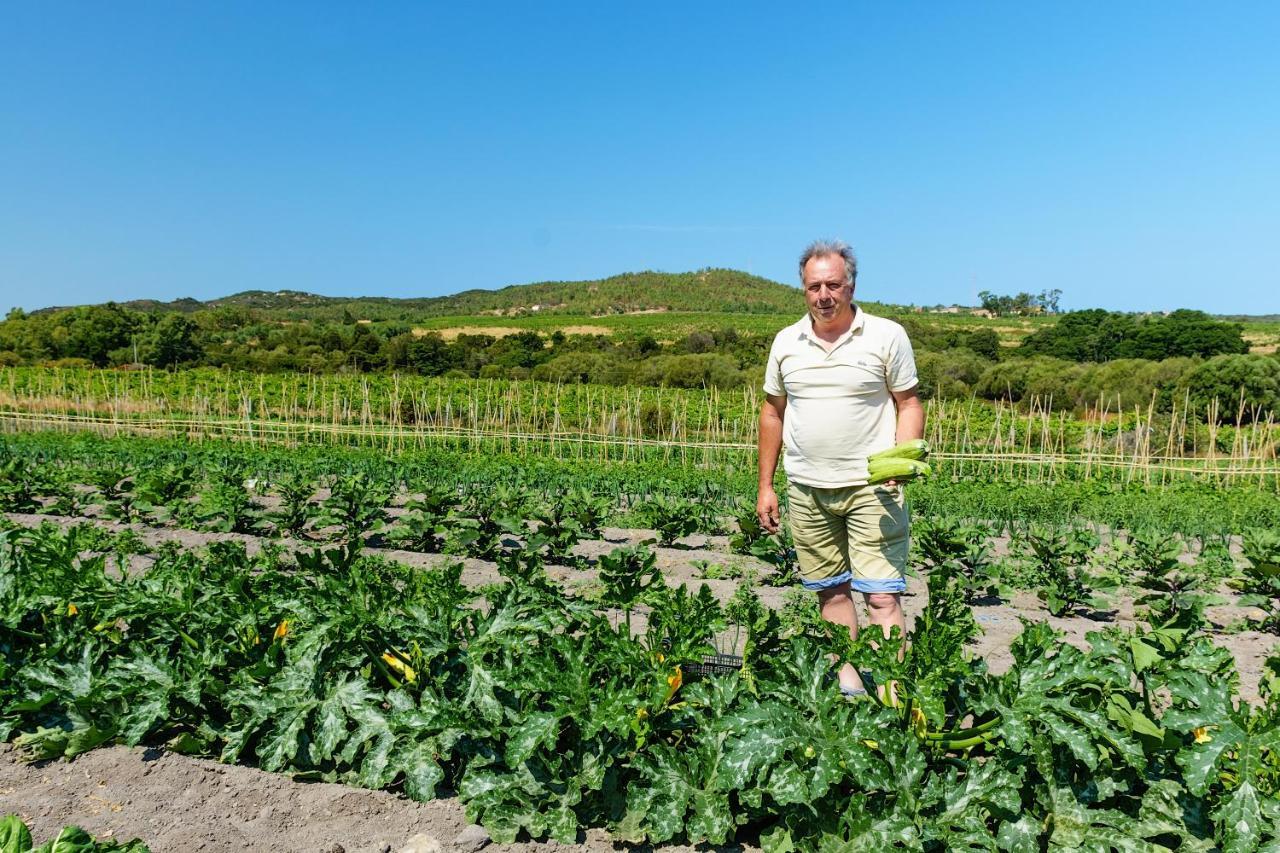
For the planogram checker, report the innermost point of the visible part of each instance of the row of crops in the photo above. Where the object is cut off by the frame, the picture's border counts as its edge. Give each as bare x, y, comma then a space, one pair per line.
546, 713
1031, 441
57, 465
1067, 566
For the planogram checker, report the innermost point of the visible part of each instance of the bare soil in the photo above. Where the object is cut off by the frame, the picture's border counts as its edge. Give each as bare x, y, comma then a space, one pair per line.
178, 804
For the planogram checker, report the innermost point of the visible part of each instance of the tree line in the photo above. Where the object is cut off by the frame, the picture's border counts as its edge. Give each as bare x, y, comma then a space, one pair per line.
1085, 357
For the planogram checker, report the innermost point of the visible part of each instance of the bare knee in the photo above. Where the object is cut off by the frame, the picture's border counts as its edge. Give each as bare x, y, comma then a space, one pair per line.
883, 601
834, 593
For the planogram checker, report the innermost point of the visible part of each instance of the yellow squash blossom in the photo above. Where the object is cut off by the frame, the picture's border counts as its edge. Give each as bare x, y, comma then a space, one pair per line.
400, 666
674, 680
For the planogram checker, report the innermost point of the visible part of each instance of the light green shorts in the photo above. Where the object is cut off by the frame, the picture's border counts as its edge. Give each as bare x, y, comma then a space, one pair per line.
858, 535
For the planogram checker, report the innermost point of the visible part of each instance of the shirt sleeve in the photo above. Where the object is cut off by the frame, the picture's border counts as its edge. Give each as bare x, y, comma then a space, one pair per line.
773, 373
900, 362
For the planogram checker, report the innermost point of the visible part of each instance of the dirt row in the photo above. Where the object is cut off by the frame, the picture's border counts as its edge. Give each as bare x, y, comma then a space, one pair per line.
178, 804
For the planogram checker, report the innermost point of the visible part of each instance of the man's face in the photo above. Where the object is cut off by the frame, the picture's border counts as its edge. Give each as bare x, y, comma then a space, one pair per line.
826, 291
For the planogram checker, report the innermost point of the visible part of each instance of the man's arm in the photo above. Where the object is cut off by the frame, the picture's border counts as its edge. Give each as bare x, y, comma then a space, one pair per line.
768, 447
910, 415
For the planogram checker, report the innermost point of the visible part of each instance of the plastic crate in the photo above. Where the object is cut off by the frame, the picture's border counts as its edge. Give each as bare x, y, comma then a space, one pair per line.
714, 665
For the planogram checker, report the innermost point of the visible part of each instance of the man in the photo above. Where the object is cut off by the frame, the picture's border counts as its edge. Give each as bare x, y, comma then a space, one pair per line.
840, 384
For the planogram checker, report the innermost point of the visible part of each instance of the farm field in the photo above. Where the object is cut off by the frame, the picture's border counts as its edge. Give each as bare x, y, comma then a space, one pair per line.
1032, 441
528, 640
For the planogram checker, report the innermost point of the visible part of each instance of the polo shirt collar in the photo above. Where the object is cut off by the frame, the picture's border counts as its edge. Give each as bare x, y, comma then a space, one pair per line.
858, 324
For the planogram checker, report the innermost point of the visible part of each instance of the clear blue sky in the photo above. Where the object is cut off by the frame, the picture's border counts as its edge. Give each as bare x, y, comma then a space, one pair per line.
1127, 153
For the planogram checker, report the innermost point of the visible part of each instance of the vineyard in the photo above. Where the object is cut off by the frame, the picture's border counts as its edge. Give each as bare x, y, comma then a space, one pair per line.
666, 426
569, 646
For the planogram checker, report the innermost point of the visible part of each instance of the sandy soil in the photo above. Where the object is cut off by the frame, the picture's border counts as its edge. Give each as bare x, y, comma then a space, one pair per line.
179, 804
176, 803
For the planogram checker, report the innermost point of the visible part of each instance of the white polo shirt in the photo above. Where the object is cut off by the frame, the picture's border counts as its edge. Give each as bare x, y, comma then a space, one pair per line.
839, 406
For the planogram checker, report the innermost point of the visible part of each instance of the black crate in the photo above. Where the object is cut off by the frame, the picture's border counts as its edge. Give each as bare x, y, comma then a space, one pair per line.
715, 665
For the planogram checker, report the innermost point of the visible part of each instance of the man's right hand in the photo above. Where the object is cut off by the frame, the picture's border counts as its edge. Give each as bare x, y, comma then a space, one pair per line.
767, 509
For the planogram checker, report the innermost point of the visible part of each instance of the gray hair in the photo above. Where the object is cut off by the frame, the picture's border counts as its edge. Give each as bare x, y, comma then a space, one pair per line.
822, 248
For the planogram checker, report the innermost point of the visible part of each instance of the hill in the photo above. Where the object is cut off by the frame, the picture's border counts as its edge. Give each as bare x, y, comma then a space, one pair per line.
709, 290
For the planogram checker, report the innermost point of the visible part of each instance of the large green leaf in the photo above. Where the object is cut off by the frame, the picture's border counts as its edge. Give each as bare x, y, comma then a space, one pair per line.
14, 835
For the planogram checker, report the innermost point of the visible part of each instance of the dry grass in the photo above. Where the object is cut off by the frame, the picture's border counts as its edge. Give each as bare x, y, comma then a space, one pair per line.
453, 332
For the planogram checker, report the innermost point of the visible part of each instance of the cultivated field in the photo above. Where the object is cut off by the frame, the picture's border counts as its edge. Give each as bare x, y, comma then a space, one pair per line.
529, 638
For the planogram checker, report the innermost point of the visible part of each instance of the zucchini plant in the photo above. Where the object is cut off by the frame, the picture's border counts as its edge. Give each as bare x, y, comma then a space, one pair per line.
356, 505
296, 511
545, 718
1057, 561
1261, 581
958, 549
425, 523
15, 837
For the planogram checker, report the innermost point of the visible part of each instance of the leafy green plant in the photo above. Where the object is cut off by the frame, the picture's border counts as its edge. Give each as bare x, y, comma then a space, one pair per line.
69, 495
1214, 561
749, 530
477, 525
1261, 581
115, 492
627, 574
558, 530
425, 523
20, 485
707, 570
357, 505
15, 837
1173, 595
164, 491
227, 505
587, 509
960, 550
1055, 562
779, 551
799, 613
673, 518
295, 512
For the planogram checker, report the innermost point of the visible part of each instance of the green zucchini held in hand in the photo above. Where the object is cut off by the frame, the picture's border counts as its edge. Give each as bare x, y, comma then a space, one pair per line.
902, 462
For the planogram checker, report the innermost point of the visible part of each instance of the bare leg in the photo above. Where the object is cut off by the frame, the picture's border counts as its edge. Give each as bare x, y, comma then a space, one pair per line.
885, 609
836, 605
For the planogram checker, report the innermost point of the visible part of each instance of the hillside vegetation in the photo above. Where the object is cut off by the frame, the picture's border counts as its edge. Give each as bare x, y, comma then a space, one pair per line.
710, 328
716, 290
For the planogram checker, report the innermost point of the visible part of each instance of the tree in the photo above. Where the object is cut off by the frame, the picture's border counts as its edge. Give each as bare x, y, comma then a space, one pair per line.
1097, 335
1048, 300
92, 332
172, 341
1247, 385
1021, 303
366, 348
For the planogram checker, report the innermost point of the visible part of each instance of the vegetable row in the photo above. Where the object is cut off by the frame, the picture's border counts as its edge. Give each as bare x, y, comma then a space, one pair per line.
545, 715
